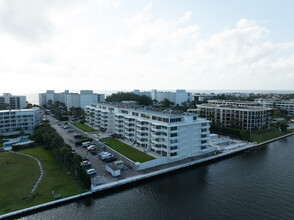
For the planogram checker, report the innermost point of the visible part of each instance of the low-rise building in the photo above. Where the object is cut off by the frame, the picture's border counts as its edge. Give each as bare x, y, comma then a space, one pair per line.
14, 121
172, 135
242, 117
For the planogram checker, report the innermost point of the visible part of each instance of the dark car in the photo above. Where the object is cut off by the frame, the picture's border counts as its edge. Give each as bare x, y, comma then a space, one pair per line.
77, 135
93, 151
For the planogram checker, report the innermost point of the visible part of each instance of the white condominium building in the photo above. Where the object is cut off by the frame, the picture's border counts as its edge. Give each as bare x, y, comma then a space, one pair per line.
287, 105
170, 135
13, 102
241, 117
86, 97
14, 121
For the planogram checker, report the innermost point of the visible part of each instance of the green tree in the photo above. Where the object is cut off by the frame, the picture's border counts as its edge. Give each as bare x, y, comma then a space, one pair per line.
166, 103
245, 134
283, 126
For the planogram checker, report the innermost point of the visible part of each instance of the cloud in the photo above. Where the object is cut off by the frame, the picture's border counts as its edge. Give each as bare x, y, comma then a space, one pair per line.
92, 44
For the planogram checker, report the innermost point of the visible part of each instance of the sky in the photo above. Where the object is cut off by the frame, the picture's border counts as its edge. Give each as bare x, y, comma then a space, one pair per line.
130, 44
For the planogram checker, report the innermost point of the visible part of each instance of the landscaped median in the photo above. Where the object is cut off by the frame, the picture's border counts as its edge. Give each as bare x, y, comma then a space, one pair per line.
268, 134
128, 151
84, 127
19, 173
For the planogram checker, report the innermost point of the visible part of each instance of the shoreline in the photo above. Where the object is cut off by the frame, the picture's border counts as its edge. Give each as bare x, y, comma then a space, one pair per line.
137, 179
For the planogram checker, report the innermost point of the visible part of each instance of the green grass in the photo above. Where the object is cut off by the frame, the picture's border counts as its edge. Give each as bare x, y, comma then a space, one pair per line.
128, 151
84, 127
19, 173
265, 135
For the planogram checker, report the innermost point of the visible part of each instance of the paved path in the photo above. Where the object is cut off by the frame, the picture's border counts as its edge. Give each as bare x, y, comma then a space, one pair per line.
40, 166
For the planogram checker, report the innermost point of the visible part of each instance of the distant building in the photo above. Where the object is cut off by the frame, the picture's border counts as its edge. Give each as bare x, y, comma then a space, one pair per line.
287, 105
14, 121
177, 97
242, 117
72, 100
13, 102
202, 97
86, 97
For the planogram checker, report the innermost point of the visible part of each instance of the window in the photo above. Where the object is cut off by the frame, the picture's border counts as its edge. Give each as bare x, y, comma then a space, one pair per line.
173, 128
173, 154
174, 148
174, 134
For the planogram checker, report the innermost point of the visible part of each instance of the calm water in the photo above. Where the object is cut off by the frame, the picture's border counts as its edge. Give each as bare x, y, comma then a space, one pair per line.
254, 185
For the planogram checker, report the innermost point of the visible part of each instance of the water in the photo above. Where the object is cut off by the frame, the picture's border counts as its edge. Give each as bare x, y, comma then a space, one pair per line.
254, 185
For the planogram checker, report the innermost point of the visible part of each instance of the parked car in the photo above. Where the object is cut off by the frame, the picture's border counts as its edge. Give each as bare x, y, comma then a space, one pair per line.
86, 144
77, 135
110, 158
66, 127
70, 131
103, 152
86, 163
91, 171
92, 147
105, 156
93, 151
85, 159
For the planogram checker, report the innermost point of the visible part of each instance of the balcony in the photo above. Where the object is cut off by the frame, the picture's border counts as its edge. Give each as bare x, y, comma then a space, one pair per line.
142, 141
128, 126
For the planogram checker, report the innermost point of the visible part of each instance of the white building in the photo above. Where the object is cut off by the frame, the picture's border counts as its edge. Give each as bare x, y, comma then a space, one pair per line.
287, 105
14, 102
14, 121
86, 97
72, 100
173, 136
177, 97
202, 97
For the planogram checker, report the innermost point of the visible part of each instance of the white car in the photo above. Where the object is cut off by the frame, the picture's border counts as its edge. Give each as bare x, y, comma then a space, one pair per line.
91, 147
105, 156
103, 152
91, 171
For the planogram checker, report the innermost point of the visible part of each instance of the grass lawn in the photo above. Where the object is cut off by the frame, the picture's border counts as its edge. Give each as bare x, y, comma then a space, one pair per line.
128, 151
19, 173
84, 127
265, 135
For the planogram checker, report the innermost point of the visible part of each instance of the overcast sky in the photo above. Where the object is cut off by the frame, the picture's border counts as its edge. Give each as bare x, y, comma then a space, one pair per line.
130, 44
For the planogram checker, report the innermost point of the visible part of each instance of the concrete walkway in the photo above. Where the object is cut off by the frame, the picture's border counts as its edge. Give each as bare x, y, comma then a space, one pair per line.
40, 166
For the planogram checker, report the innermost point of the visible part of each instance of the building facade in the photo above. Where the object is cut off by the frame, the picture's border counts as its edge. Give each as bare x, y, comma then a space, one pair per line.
86, 97
14, 121
233, 103
241, 117
174, 136
287, 105
13, 102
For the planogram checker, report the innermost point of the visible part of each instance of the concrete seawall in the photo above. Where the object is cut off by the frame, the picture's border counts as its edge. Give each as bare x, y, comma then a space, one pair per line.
135, 179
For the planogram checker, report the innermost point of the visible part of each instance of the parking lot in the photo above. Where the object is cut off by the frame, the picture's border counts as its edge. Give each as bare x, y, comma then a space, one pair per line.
96, 163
